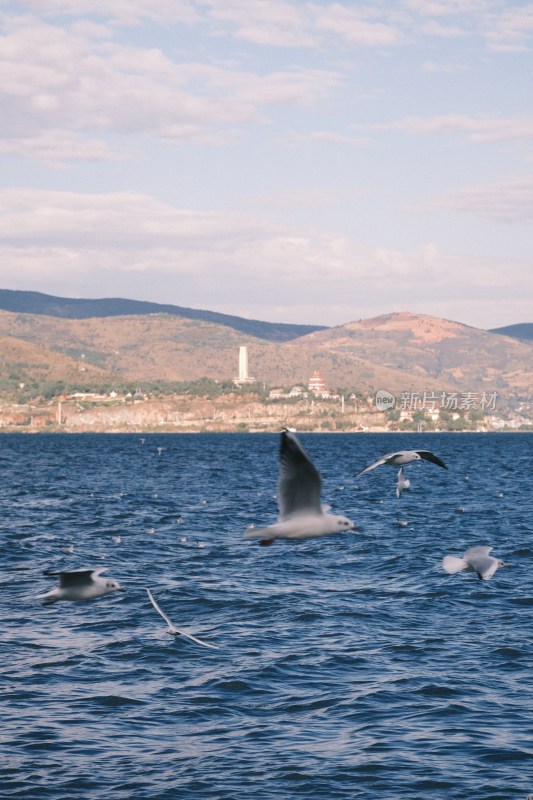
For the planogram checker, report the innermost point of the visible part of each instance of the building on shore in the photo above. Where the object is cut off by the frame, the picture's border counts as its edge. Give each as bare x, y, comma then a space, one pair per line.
317, 385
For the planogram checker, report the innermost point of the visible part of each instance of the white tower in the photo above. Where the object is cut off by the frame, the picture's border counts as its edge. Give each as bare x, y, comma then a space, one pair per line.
243, 363
243, 367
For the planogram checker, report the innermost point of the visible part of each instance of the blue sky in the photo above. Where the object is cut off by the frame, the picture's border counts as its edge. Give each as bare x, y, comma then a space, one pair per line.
313, 162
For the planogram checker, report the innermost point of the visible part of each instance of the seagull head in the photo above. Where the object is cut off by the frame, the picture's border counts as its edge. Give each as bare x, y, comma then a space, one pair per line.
345, 524
114, 586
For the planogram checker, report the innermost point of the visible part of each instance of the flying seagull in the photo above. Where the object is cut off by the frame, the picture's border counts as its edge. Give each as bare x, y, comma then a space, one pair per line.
402, 482
81, 584
404, 457
171, 627
301, 516
476, 559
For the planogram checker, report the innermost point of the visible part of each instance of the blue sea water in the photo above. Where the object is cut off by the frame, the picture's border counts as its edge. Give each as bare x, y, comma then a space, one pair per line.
349, 667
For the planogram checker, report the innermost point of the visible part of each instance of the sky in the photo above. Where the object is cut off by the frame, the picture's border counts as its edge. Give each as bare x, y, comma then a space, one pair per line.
306, 162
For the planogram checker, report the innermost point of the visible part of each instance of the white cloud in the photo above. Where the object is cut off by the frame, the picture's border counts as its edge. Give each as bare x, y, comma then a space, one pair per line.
56, 148
327, 137
509, 201
52, 78
125, 12
68, 243
308, 198
443, 68
444, 8
264, 22
355, 25
476, 129
121, 221
511, 28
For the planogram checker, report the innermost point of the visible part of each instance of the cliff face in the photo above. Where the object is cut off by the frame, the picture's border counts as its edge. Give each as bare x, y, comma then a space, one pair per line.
243, 412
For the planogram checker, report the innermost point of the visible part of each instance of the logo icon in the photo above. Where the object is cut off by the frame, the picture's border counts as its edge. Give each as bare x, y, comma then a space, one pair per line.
384, 400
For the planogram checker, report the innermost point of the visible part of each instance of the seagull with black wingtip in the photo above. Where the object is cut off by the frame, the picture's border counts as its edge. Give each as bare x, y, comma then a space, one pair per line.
403, 457
81, 584
301, 515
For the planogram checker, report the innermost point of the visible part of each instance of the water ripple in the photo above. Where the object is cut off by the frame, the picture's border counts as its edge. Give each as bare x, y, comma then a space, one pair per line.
350, 667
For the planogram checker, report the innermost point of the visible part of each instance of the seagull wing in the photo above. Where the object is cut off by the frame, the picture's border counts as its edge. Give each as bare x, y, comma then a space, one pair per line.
160, 610
400, 483
378, 463
195, 639
172, 628
79, 577
452, 564
476, 552
484, 565
299, 480
427, 455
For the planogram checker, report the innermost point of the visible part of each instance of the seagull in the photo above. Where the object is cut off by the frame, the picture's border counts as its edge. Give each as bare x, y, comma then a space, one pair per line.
172, 629
404, 457
476, 559
403, 483
301, 516
81, 584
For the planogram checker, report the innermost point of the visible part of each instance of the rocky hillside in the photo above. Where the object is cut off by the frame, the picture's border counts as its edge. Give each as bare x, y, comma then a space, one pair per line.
398, 352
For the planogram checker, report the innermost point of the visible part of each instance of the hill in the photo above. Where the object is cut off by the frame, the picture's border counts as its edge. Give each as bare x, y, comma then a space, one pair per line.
24, 362
398, 352
74, 308
435, 350
523, 330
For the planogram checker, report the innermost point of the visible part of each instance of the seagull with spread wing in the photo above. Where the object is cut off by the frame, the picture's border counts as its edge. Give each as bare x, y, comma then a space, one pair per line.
301, 515
403, 457
81, 584
476, 559
172, 628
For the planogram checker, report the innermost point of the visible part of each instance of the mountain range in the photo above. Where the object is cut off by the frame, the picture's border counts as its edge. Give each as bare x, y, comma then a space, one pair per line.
102, 341
79, 308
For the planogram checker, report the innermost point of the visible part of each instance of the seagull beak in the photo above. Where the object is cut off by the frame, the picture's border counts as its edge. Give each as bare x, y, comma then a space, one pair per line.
356, 528
121, 589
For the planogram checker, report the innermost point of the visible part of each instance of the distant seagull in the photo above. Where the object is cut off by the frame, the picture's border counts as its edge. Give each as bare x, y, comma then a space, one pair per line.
81, 584
402, 483
404, 457
68, 549
476, 559
172, 629
301, 515
116, 539
160, 450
